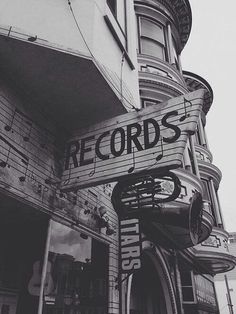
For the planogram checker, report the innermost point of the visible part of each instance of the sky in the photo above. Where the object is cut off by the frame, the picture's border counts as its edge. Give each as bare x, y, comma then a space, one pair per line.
211, 53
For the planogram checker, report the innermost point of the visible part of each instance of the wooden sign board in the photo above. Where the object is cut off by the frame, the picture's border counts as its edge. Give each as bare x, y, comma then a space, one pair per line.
130, 245
132, 143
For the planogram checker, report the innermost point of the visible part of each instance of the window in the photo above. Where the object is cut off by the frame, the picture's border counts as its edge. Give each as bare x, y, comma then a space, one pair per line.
113, 6
187, 287
77, 273
206, 191
197, 137
152, 40
205, 291
207, 196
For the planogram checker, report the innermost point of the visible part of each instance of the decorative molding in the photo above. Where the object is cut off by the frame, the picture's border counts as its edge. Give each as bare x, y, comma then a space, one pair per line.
212, 241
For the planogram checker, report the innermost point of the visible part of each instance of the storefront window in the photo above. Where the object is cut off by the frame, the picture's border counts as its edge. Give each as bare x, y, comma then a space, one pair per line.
76, 280
152, 40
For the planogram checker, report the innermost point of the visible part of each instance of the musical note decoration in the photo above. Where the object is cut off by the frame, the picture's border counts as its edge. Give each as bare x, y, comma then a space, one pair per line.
51, 180
27, 136
24, 159
32, 38
39, 188
3, 164
94, 166
23, 178
8, 127
131, 169
160, 156
186, 114
69, 177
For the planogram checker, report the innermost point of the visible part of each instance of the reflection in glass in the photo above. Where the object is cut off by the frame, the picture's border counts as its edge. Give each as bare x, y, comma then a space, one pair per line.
76, 280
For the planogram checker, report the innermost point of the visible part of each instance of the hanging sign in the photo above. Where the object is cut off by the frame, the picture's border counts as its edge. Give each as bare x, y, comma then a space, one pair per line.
130, 245
132, 143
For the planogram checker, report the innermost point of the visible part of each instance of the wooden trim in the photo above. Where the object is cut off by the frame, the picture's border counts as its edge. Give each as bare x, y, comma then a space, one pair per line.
118, 41
126, 32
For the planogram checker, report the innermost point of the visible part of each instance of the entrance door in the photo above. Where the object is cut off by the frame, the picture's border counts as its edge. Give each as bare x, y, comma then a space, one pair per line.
147, 295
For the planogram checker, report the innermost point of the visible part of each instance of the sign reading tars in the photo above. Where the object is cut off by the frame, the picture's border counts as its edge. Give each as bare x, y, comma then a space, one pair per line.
153, 137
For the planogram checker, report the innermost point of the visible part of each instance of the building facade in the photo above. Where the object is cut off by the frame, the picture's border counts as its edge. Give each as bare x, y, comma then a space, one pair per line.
225, 283
68, 65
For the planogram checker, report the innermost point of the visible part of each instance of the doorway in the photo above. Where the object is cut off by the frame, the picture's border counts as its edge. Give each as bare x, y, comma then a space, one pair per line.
147, 295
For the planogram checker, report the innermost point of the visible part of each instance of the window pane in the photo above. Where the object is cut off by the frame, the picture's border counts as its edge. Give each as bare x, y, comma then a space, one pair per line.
76, 280
186, 278
187, 294
206, 193
152, 30
152, 48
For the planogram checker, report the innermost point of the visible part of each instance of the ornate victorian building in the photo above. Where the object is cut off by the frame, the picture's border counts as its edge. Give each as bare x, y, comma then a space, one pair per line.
69, 65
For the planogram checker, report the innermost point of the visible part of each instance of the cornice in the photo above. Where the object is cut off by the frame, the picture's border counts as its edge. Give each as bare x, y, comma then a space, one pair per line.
209, 170
195, 82
167, 86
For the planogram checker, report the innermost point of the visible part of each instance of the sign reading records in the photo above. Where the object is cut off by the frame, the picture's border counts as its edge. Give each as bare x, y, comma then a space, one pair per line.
153, 137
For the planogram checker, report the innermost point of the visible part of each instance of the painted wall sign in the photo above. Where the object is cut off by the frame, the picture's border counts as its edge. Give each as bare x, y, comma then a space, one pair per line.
154, 137
130, 245
30, 163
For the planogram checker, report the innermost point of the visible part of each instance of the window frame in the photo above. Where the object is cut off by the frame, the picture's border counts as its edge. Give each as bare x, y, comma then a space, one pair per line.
164, 45
188, 286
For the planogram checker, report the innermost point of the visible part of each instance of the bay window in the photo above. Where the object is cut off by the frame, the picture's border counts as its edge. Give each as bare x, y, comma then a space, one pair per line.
152, 38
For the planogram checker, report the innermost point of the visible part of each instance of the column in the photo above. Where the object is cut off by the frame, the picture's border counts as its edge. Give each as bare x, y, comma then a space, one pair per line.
170, 44
215, 203
187, 162
202, 133
194, 156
